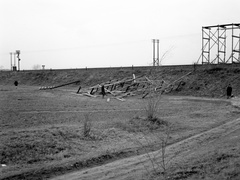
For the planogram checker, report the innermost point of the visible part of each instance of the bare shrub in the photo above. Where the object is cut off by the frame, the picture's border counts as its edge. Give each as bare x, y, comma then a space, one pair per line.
152, 107
159, 162
90, 133
164, 163
87, 126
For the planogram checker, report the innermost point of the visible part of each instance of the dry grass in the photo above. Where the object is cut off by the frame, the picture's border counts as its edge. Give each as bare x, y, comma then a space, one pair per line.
44, 129
152, 107
87, 126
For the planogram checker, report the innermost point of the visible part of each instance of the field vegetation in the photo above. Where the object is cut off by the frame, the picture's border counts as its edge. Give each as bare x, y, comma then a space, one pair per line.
50, 133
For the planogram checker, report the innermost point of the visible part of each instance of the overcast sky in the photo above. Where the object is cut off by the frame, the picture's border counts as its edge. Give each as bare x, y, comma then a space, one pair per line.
104, 33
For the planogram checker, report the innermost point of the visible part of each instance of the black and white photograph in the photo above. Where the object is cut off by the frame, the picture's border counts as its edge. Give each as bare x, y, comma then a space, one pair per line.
119, 90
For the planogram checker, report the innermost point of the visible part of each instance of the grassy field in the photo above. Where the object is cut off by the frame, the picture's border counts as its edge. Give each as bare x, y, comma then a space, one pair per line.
42, 132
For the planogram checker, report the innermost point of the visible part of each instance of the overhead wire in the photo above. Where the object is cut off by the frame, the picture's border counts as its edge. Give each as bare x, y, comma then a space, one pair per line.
104, 45
85, 47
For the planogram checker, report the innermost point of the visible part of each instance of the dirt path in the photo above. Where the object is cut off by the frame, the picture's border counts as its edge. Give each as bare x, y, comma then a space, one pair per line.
135, 167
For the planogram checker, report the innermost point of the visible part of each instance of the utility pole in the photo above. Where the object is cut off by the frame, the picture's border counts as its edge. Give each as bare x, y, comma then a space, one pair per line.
14, 65
153, 52
18, 53
155, 59
158, 53
11, 61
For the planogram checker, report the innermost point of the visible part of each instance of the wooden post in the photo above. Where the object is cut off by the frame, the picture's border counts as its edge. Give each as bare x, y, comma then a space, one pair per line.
112, 87
92, 91
145, 95
79, 89
75, 82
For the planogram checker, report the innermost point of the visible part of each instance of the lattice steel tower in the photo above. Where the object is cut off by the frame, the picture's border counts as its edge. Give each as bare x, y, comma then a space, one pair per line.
216, 37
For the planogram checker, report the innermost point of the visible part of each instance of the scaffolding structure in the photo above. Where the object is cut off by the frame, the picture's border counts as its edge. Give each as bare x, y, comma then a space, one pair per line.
216, 36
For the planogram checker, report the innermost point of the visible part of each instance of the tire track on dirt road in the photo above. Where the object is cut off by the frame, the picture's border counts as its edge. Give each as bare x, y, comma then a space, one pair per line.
133, 168
79, 111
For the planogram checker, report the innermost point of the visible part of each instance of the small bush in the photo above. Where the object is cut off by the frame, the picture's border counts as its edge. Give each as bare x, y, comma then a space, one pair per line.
152, 107
89, 133
87, 126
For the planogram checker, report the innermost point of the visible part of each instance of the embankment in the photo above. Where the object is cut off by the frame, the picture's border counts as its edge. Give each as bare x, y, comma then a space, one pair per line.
205, 80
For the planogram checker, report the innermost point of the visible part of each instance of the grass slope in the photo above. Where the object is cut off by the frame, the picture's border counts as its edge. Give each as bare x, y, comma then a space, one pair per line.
208, 81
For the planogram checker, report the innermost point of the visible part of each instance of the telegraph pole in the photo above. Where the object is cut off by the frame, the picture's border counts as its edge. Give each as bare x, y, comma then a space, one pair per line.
155, 59
153, 52
18, 53
158, 52
14, 65
11, 61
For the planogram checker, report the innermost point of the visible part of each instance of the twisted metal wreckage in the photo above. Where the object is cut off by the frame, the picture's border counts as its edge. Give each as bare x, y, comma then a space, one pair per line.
119, 89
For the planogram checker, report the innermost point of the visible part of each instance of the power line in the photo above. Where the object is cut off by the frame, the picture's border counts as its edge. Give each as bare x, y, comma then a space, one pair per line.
105, 45
86, 47
82, 47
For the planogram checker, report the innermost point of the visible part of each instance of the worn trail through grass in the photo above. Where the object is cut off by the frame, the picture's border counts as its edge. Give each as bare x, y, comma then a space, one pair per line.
133, 167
